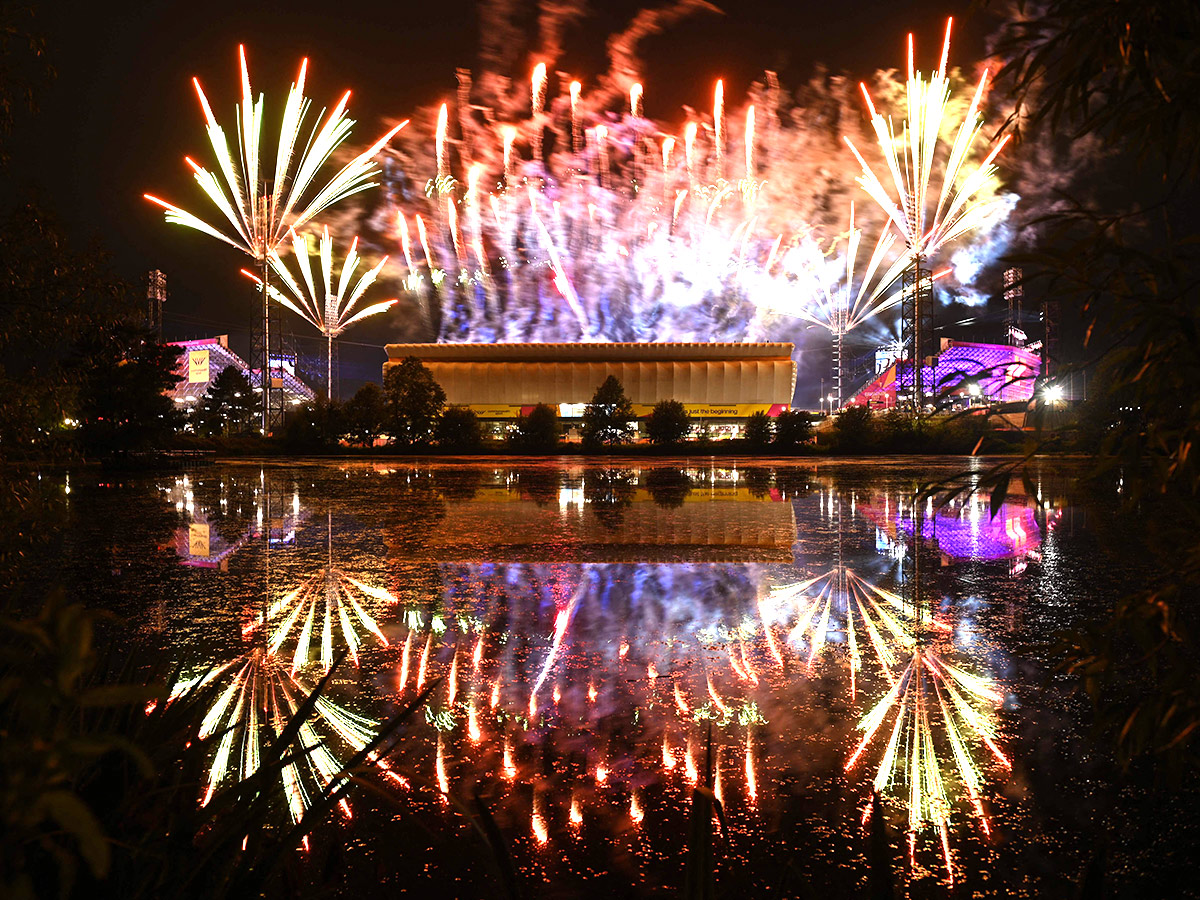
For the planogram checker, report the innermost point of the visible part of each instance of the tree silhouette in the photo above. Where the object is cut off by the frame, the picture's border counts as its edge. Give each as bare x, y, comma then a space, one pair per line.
606, 419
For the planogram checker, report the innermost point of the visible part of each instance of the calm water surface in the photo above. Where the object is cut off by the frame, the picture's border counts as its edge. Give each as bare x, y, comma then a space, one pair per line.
590, 628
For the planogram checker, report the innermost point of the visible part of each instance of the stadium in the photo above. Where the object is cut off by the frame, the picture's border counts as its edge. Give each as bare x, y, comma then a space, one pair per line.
720, 384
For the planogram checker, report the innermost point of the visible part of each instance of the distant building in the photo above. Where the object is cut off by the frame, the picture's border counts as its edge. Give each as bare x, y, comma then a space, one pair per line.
205, 359
720, 384
962, 372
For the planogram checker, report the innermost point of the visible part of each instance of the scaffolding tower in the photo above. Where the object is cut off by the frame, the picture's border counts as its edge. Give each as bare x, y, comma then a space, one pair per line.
916, 330
266, 355
1013, 295
156, 295
840, 318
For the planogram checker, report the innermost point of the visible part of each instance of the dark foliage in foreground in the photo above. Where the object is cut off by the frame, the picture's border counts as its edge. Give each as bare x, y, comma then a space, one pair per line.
1126, 74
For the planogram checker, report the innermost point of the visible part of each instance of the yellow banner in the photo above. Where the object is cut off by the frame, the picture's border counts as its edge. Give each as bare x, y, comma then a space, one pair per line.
198, 537
495, 411
712, 410
197, 366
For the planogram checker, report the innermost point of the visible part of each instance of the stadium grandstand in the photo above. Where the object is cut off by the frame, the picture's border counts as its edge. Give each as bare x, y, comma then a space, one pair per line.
720, 384
203, 360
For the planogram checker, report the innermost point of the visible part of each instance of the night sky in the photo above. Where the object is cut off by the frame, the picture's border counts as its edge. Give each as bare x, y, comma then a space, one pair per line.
121, 113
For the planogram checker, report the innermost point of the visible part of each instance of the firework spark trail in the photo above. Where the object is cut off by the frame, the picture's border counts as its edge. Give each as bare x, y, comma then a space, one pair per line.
964, 199
709, 250
924, 686
328, 309
261, 210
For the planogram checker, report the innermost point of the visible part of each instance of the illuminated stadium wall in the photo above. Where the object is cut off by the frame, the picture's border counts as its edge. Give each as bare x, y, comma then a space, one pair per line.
1002, 374
727, 381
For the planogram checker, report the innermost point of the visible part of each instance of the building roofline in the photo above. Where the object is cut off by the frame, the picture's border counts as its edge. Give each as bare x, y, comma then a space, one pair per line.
630, 351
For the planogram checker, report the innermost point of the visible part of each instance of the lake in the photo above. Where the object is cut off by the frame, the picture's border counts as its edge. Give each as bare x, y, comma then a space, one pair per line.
603, 636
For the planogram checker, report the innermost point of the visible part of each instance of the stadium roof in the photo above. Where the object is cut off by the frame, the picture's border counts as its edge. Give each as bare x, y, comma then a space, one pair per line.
585, 352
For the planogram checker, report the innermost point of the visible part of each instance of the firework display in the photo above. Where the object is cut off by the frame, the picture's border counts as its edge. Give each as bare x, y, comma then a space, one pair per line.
328, 309
562, 219
261, 205
558, 218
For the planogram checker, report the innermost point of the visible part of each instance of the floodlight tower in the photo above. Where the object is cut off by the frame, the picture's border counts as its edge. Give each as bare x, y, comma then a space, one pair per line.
156, 294
1013, 294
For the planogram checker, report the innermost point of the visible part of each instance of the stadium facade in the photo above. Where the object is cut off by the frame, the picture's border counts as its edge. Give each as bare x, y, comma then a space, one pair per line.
970, 372
720, 384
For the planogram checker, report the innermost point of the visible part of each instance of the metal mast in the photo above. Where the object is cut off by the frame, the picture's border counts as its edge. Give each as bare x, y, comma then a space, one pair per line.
841, 316
156, 294
916, 318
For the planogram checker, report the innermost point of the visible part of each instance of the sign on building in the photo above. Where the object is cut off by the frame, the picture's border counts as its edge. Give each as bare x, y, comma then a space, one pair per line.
197, 366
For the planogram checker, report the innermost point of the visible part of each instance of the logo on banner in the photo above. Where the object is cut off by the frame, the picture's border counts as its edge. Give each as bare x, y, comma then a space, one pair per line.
197, 366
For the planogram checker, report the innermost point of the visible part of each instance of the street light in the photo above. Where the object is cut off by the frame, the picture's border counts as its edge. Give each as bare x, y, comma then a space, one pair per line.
1052, 393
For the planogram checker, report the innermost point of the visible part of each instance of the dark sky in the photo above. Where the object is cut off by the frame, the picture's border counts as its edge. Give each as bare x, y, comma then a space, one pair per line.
121, 113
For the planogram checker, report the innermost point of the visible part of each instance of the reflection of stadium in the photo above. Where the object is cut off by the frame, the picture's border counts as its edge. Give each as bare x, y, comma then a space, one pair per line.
613, 515
963, 528
725, 382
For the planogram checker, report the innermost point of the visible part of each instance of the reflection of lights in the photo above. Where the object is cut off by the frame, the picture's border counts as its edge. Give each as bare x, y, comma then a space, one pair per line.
473, 724
440, 768
253, 710
601, 773
509, 767
668, 755
576, 815
452, 687
404, 656
538, 822
716, 698
751, 780
322, 606
423, 666
679, 701
636, 813
477, 659
926, 684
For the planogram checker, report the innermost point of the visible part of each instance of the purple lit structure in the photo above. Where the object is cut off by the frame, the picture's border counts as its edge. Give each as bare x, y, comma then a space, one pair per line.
994, 373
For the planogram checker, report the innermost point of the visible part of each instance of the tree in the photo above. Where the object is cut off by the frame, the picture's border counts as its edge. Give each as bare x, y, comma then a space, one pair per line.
316, 425
458, 428
365, 415
122, 402
758, 430
606, 419
228, 406
793, 427
53, 299
537, 432
415, 402
853, 428
1123, 76
668, 422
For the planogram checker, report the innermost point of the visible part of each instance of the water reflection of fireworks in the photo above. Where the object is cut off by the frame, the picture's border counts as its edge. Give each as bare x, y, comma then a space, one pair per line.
929, 692
252, 709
